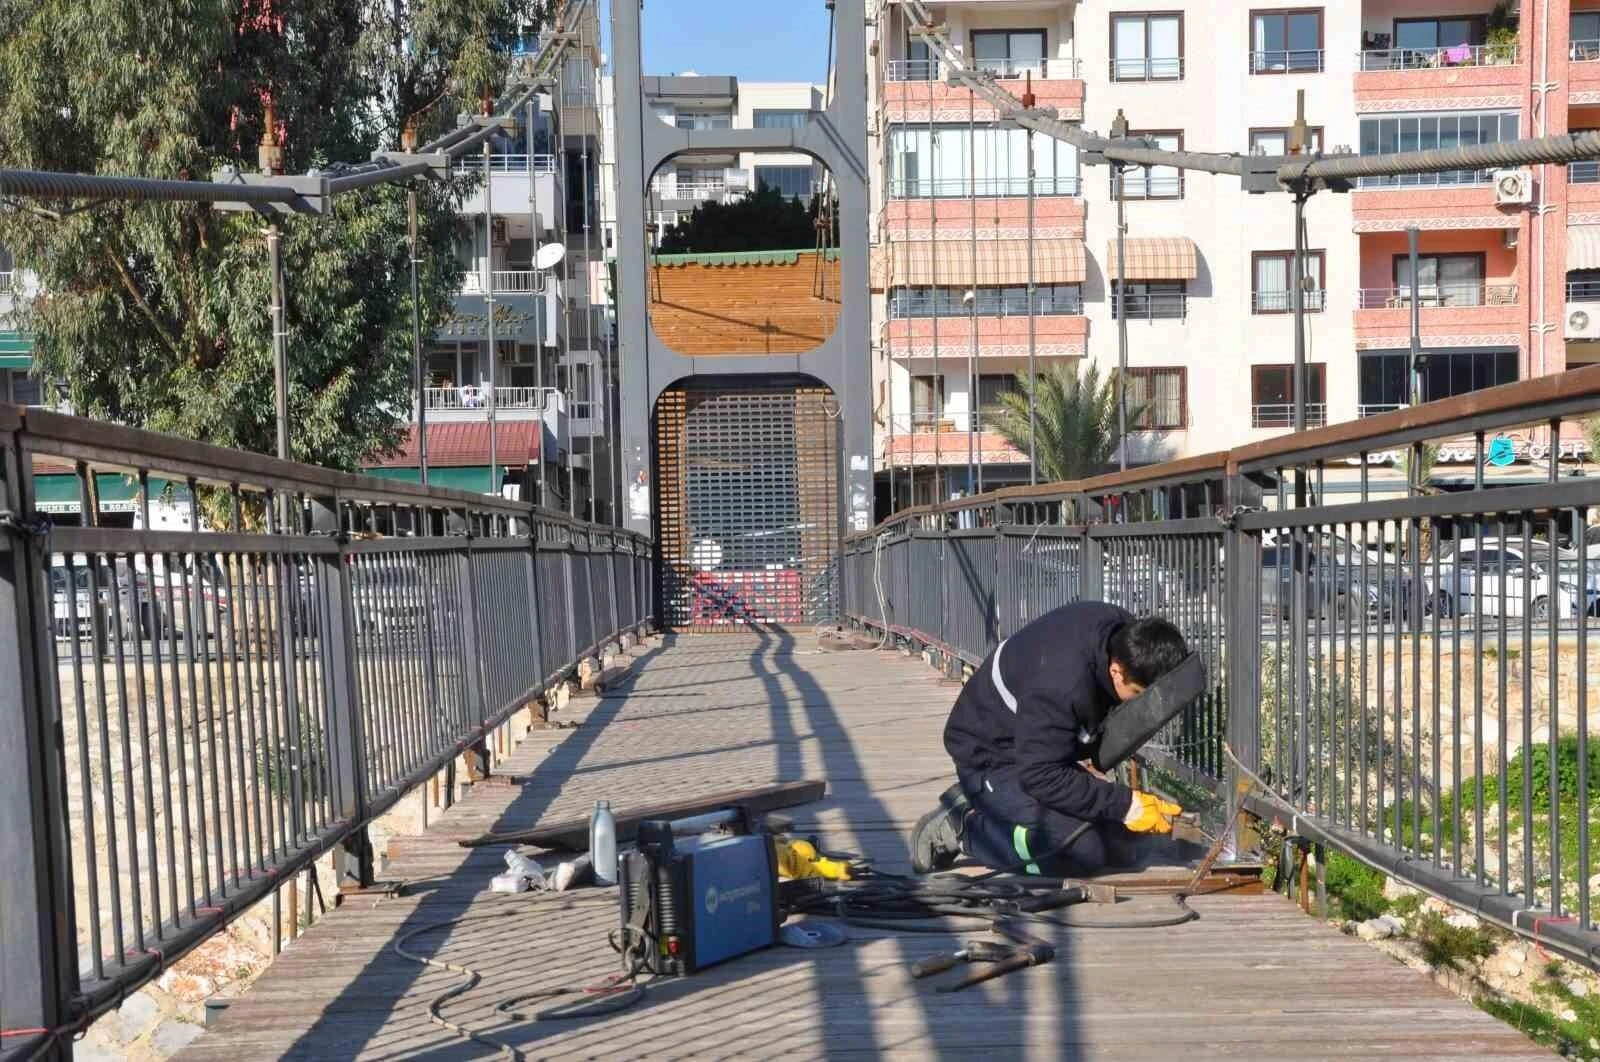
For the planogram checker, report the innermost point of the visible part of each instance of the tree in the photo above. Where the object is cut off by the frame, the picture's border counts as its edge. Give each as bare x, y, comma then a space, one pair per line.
762, 220
156, 314
1075, 411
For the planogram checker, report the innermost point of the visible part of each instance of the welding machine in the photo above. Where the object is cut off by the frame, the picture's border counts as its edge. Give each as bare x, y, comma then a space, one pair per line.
688, 902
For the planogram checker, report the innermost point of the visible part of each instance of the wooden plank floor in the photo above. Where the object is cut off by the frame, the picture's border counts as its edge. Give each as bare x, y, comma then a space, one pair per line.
1252, 978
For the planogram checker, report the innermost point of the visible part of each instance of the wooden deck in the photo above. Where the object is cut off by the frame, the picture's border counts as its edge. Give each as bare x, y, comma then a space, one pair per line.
1252, 978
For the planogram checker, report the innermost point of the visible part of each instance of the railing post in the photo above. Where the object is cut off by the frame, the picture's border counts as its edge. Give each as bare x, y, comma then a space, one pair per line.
535, 621
38, 950
1241, 633
1091, 554
347, 753
476, 754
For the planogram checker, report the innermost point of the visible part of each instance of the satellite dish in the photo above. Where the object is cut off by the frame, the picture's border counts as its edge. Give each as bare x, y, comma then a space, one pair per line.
549, 256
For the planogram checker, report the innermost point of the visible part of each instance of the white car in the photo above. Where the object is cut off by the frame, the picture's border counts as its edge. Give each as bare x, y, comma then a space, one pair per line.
1505, 578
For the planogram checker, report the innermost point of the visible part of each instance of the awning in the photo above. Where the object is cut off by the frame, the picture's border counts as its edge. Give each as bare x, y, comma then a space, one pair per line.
1583, 247
16, 350
118, 493
1000, 263
465, 444
1155, 258
469, 478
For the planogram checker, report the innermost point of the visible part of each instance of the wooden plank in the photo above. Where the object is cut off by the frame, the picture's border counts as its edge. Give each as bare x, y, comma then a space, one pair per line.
573, 834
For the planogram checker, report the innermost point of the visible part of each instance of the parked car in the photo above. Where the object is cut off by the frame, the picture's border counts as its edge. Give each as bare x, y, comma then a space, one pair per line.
156, 598
1509, 578
72, 596
1336, 589
388, 593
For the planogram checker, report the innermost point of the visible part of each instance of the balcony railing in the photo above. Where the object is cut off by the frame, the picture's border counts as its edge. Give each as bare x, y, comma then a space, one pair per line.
1372, 409
921, 306
1439, 58
8, 281
1063, 69
470, 397
1583, 291
956, 422
1170, 69
1467, 293
1585, 172
1160, 306
1584, 51
1281, 415
986, 187
506, 282
1270, 302
506, 163
1443, 179
696, 190
1287, 61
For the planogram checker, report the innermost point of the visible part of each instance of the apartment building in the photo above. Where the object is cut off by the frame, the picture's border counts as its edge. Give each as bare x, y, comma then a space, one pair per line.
698, 101
551, 390
1508, 260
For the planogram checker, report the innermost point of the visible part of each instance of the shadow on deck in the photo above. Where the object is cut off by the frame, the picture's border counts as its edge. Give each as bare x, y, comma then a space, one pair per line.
702, 714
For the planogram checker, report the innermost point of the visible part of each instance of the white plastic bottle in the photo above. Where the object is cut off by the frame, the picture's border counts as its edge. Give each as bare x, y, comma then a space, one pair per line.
603, 843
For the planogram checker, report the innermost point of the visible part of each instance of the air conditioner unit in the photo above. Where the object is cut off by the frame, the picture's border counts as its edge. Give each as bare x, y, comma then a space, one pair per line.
1582, 324
1513, 187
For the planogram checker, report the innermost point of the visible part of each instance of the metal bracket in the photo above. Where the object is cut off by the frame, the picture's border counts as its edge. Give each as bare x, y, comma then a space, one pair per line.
313, 190
438, 160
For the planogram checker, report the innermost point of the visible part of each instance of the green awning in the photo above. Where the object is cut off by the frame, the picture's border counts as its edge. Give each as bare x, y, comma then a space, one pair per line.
730, 258
16, 351
473, 478
118, 493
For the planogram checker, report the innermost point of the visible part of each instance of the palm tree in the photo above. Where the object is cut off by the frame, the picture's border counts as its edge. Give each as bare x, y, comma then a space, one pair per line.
1075, 415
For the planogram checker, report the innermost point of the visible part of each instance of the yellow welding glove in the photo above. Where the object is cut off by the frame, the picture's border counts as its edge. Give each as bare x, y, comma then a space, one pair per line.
799, 859
1150, 814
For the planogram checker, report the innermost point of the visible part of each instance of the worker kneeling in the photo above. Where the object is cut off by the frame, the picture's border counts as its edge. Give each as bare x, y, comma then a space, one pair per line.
1022, 734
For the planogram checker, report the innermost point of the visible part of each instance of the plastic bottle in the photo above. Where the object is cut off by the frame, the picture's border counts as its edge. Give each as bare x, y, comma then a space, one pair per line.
603, 843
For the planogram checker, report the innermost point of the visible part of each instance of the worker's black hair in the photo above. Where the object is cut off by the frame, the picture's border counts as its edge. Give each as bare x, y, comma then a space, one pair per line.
1147, 649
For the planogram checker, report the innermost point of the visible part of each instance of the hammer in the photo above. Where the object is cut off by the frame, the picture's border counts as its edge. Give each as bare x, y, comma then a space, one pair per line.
1028, 950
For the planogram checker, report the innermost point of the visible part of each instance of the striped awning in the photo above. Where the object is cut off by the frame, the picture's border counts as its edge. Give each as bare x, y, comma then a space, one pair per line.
1155, 258
1583, 247
950, 263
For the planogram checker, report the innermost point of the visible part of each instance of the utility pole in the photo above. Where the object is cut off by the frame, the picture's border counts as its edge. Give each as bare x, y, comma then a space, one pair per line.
270, 158
541, 294
1119, 129
1414, 367
419, 377
488, 300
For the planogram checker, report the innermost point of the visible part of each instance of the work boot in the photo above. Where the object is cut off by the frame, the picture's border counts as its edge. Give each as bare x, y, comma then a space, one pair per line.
936, 840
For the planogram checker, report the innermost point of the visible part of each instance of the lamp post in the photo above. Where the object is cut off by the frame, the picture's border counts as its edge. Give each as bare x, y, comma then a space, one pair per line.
1119, 130
419, 376
270, 157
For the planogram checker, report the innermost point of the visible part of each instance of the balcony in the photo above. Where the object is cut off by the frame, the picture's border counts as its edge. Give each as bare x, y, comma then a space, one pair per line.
1287, 61
509, 177
1281, 415
928, 439
983, 187
1464, 197
914, 89
1060, 334
1427, 77
1157, 306
505, 163
506, 282
1167, 69
1478, 313
1267, 303
1583, 70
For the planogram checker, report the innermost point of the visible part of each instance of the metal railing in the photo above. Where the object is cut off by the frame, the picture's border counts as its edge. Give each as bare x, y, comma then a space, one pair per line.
1271, 302
506, 163
505, 281
1063, 69
1281, 415
1400, 674
1372, 409
1286, 61
1438, 58
1583, 291
1141, 184
988, 303
8, 281
193, 716
470, 397
1434, 296
1584, 51
1169, 69
961, 187
697, 190
1157, 306
1440, 179
1583, 172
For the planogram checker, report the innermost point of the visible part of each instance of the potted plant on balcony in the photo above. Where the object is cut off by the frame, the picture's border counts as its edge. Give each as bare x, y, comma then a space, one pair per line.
1500, 40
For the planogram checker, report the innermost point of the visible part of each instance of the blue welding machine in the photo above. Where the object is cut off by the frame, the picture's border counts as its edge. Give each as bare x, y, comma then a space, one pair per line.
698, 901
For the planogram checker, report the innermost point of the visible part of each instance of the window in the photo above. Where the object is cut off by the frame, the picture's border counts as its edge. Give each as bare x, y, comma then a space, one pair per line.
1383, 380
919, 63
1147, 47
1009, 53
990, 392
1276, 141
1270, 290
1009, 301
703, 120
950, 161
1422, 132
1585, 35
927, 399
792, 181
1432, 34
1286, 42
1272, 396
1442, 279
1152, 182
1157, 398
1583, 285
776, 119
1151, 300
